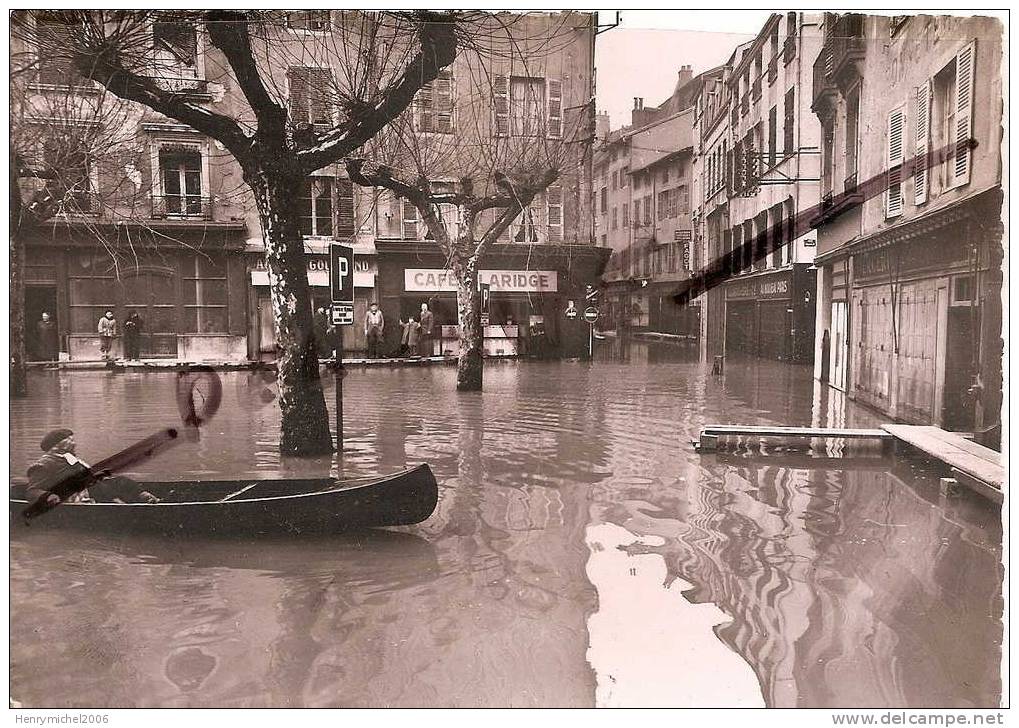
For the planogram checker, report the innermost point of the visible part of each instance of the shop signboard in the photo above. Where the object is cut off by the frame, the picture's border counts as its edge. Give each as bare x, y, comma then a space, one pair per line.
502, 281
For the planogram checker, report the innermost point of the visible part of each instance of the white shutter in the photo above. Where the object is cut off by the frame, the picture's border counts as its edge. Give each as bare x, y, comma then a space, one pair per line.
410, 221
959, 167
554, 200
895, 139
555, 108
921, 167
500, 94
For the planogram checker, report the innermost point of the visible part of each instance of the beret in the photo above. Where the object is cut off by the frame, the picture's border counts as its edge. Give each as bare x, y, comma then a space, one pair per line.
52, 437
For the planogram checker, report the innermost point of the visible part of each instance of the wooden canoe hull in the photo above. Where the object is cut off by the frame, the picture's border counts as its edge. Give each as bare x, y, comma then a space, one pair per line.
281, 506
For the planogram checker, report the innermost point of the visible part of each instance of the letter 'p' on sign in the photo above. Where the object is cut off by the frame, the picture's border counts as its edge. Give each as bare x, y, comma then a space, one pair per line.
341, 273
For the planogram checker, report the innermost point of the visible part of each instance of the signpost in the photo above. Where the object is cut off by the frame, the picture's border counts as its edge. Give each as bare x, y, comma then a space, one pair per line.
341, 290
486, 299
571, 311
590, 315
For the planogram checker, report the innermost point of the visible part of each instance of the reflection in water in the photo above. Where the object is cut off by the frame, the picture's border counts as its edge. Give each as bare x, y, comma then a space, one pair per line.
803, 580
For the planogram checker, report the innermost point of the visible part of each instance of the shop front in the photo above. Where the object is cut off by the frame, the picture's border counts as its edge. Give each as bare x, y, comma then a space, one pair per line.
531, 288
262, 332
189, 296
770, 314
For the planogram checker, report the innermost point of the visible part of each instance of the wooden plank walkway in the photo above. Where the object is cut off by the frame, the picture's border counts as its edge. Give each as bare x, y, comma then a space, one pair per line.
977, 466
708, 440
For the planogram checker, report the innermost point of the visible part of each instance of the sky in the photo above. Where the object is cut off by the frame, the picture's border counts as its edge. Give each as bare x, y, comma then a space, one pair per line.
643, 55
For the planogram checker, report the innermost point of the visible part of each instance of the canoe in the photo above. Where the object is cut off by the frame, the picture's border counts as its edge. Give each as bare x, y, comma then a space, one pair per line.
252, 506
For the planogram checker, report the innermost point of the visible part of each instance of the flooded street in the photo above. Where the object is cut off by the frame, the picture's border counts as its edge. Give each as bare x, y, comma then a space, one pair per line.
581, 553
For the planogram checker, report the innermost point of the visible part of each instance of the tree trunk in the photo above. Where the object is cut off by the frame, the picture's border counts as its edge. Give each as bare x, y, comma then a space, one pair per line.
19, 377
470, 365
304, 423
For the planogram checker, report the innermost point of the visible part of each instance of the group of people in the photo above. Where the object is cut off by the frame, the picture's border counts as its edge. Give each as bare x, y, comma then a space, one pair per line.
415, 335
47, 339
108, 331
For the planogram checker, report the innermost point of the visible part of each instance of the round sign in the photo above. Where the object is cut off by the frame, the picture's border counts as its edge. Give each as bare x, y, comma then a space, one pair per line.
590, 314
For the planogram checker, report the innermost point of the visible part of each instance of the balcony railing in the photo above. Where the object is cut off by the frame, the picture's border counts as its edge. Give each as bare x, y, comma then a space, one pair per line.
844, 44
181, 207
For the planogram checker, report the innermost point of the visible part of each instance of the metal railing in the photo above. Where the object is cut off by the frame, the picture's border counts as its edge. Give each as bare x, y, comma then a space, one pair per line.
181, 207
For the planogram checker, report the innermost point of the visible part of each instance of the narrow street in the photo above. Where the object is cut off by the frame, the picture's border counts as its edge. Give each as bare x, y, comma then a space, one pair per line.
581, 553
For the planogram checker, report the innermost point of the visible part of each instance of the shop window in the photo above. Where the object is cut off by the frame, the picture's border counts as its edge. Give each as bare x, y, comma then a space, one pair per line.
91, 290
434, 107
316, 207
205, 295
180, 174
310, 101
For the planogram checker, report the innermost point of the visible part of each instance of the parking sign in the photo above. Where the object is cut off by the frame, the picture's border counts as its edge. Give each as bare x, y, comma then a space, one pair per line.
341, 273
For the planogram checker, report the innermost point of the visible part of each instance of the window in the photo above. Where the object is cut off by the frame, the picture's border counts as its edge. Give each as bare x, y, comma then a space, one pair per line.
636, 212
772, 134
313, 20
827, 156
310, 101
637, 181
648, 202
921, 172
205, 295
554, 201
615, 179
665, 176
953, 90
852, 134
895, 138
663, 204
316, 207
180, 172
526, 226
615, 220
604, 200
626, 215
409, 215
527, 97
555, 108
175, 48
788, 123
449, 217
73, 185
55, 29
624, 176
433, 105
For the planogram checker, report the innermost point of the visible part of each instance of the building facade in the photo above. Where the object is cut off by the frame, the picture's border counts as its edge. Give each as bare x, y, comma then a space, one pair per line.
767, 165
167, 227
643, 177
909, 232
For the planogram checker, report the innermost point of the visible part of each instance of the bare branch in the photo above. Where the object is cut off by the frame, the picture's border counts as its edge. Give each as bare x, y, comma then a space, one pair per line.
436, 32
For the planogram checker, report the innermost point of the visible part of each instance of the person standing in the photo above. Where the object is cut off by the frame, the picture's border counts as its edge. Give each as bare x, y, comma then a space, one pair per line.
46, 342
322, 334
132, 335
427, 324
410, 337
374, 327
107, 331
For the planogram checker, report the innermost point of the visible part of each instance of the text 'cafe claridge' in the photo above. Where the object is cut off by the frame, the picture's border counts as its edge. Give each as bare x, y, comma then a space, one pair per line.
505, 281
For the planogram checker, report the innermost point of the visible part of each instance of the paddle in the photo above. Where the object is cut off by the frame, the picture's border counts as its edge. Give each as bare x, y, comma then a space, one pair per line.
194, 413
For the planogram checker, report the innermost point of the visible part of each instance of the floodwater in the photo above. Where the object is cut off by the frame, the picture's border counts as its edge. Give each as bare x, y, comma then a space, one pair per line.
581, 554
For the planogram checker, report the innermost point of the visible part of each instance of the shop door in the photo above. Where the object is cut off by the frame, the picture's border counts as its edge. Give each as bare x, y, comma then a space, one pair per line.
838, 354
153, 295
960, 407
920, 323
38, 299
872, 353
266, 325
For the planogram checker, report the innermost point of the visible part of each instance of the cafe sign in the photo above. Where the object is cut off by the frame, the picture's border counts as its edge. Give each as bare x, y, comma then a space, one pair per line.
758, 288
504, 281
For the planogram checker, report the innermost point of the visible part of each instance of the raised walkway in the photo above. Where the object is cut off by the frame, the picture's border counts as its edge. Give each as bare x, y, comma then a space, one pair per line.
174, 364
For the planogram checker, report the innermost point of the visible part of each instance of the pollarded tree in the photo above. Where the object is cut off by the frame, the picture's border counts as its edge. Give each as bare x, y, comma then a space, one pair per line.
357, 72
486, 150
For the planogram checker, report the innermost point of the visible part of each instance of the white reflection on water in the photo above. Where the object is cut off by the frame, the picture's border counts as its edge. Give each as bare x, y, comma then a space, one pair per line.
667, 655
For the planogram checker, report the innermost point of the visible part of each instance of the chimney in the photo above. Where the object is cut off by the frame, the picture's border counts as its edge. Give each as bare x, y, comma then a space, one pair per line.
685, 76
601, 125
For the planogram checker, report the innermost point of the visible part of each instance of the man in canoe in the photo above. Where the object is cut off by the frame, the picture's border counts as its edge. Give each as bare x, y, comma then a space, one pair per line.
59, 464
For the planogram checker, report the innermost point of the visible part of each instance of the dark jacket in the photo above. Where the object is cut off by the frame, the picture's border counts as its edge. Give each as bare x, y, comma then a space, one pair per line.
427, 321
53, 470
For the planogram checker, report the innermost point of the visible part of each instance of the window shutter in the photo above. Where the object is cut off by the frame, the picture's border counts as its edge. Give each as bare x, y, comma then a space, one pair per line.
964, 69
320, 107
896, 130
555, 108
410, 221
345, 209
324, 207
298, 95
921, 169
443, 98
500, 92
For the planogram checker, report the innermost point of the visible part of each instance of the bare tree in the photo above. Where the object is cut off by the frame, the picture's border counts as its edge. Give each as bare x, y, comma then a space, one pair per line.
58, 141
278, 128
475, 154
